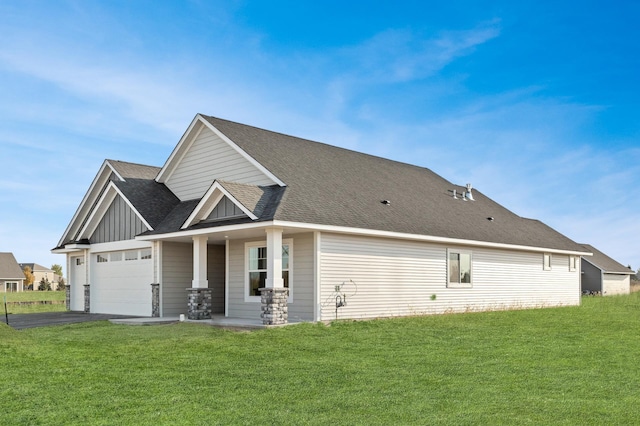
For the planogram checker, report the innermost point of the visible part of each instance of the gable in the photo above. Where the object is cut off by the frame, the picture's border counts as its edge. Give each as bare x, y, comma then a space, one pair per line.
205, 158
110, 171
225, 209
119, 223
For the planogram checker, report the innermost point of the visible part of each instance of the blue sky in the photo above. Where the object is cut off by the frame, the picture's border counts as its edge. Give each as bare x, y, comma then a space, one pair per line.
535, 103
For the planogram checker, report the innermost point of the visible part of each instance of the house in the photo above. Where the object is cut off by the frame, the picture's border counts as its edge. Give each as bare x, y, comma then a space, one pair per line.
603, 275
250, 223
42, 273
11, 276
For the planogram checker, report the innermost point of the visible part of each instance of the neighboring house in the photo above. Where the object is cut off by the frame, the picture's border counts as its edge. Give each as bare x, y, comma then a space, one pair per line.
255, 224
11, 276
601, 274
41, 272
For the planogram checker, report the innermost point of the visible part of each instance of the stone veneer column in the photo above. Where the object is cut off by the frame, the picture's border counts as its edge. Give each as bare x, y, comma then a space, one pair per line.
87, 298
274, 305
67, 297
199, 304
155, 300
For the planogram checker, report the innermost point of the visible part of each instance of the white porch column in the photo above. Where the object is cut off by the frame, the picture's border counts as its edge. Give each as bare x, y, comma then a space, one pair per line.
274, 258
200, 262
273, 297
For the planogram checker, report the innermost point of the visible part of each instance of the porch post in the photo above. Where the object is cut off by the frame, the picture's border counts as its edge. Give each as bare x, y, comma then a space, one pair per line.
199, 302
274, 295
67, 297
200, 262
87, 298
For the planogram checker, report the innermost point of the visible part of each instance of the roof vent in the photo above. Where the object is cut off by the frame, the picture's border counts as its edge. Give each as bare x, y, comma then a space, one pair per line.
385, 202
490, 219
465, 195
468, 195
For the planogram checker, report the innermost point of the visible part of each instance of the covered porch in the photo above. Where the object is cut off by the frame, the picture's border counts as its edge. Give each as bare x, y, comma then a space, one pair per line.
200, 278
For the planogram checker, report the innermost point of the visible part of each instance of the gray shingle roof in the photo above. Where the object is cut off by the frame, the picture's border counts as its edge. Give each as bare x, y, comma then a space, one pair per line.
328, 185
133, 170
604, 262
153, 200
9, 268
262, 201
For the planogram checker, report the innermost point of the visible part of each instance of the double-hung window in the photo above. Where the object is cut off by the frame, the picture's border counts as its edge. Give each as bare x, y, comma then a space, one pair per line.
459, 268
256, 270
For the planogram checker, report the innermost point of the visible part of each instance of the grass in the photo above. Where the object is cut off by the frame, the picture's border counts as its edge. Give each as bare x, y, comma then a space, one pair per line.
575, 365
33, 296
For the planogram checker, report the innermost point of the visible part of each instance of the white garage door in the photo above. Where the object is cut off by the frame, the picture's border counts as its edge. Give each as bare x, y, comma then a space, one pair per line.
121, 282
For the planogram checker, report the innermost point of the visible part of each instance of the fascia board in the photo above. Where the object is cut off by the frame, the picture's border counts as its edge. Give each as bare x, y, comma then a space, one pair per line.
113, 169
240, 151
180, 150
416, 237
203, 231
205, 206
361, 232
103, 205
94, 184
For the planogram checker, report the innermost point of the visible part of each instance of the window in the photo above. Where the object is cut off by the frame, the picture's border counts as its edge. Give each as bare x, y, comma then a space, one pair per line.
131, 255
145, 254
546, 261
102, 258
459, 268
573, 263
256, 260
116, 256
79, 261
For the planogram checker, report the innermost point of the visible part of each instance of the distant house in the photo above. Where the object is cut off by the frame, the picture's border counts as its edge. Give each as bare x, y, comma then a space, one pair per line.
602, 274
11, 276
249, 223
41, 272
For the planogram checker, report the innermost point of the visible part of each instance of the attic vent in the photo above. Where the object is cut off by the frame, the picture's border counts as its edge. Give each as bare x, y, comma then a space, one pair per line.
385, 202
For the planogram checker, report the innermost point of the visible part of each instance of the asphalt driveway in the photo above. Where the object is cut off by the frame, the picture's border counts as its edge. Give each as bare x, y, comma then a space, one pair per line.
22, 321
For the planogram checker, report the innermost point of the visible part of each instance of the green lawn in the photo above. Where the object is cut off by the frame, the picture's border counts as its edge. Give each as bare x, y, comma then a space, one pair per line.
577, 365
33, 296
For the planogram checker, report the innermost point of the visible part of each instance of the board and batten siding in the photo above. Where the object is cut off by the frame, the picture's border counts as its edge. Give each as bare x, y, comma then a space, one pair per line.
207, 159
399, 278
301, 307
119, 223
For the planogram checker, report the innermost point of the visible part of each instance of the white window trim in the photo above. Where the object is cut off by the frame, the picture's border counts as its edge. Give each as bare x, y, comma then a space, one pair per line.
547, 265
257, 299
456, 284
573, 263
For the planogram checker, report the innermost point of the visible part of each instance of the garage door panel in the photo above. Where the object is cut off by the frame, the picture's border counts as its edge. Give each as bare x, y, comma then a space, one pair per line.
122, 287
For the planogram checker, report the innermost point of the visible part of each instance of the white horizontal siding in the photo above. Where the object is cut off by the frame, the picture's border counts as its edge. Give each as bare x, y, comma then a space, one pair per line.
207, 159
395, 277
615, 284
